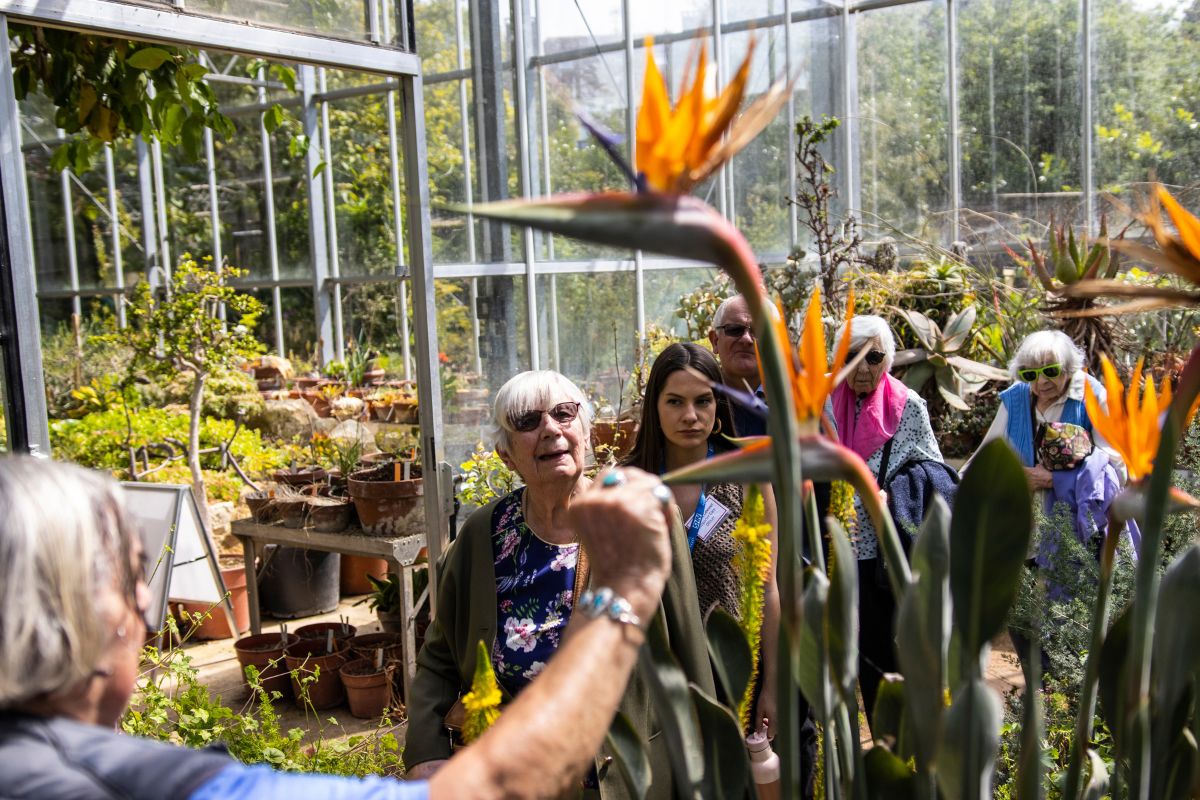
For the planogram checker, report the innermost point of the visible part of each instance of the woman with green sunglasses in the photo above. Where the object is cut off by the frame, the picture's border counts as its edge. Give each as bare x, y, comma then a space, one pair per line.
1048, 387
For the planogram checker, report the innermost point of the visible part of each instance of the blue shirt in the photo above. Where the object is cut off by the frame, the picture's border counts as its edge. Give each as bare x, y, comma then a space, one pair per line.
240, 781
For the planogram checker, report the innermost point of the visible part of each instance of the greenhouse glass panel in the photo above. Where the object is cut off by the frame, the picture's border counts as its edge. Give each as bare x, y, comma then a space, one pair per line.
290, 182
1146, 106
681, 301
903, 117
669, 16
502, 349
371, 317
1020, 112
437, 43
241, 200
448, 170
189, 218
362, 179
339, 19
760, 172
47, 220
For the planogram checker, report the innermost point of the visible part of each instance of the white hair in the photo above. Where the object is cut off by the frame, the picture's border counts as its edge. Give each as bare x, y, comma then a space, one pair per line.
65, 547
1047, 347
528, 391
723, 309
864, 328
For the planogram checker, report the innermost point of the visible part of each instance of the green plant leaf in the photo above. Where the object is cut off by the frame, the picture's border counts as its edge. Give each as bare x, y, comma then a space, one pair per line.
629, 751
1175, 770
888, 778
273, 117
989, 540
972, 737
927, 331
923, 632
148, 58
958, 329
948, 388
812, 671
888, 716
730, 653
726, 763
1097, 782
1177, 645
841, 613
1115, 693
916, 376
669, 689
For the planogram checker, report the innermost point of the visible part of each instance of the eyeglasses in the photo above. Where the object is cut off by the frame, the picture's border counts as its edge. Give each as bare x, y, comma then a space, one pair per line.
1030, 375
562, 413
873, 357
736, 331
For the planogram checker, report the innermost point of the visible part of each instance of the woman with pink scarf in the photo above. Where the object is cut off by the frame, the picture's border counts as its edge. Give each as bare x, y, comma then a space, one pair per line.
887, 424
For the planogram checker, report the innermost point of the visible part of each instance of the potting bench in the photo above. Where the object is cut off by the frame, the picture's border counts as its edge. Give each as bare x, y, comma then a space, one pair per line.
400, 553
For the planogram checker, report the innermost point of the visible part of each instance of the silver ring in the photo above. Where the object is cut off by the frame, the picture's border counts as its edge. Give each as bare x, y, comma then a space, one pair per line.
663, 494
614, 478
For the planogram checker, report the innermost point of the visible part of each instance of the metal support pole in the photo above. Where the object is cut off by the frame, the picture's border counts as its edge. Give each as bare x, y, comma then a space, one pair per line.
110, 174
954, 143
723, 175
639, 276
1088, 176
420, 248
468, 187
793, 219
214, 208
335, 267
850, 126
64, 182
160, 206
522, 118
264, 140
149, 232
398, 223
318, 245
554, 353
20, 329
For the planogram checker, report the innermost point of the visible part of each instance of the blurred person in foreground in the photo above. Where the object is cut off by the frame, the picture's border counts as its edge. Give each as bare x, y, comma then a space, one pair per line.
71, 628
514, 577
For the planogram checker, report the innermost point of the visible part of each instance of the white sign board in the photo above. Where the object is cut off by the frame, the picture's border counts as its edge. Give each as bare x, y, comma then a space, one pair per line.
182, 560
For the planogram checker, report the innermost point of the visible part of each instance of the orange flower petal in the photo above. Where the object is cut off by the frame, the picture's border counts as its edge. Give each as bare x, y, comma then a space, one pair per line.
1187, 225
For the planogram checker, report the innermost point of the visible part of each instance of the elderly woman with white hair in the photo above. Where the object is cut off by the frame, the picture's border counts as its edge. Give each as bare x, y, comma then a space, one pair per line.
72, 624
514, 575
887, 424
1047, 396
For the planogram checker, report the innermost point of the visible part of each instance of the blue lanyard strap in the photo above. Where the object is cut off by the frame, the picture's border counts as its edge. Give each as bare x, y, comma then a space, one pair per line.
697, 520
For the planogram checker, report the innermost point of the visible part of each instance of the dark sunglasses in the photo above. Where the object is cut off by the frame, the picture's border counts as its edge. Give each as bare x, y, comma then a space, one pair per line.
530, 420
1030, 375
873, 357
736, 331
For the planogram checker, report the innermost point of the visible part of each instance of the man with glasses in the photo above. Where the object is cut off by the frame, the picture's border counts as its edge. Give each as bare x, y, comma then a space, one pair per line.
732, 339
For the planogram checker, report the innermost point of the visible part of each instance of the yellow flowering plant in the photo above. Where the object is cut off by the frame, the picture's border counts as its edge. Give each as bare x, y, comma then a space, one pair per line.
482, 703
752, 563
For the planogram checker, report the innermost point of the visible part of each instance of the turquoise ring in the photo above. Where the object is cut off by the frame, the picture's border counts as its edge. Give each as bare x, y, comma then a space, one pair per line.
612, 479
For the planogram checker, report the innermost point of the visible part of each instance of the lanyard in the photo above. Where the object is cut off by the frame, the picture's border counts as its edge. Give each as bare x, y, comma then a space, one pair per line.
693, 531
697, 520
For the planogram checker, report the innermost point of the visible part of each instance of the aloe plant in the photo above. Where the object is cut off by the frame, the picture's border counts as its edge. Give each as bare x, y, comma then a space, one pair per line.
938, 357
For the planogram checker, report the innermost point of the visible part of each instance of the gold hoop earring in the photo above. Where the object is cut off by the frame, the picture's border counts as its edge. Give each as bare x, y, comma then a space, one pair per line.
718, 428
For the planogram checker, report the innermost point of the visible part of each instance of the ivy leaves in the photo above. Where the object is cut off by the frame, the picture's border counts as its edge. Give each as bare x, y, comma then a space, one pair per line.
112, 88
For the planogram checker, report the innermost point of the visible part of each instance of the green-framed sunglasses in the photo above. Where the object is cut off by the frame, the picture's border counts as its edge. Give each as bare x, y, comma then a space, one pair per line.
1031, 374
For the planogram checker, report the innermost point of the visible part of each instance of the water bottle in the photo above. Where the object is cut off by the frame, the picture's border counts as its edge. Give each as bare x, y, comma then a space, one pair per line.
764, 764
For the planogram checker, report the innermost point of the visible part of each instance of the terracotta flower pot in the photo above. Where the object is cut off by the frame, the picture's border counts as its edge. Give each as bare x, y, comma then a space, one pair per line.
619, 435
265, 652
319, 630
261, 507
355, 570
389, 507
305, 476
369, 690
217, 624
328, 517
307, 656
292, 511
365, 644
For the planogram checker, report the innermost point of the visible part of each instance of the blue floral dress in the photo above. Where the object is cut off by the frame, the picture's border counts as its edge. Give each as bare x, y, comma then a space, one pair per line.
535, 583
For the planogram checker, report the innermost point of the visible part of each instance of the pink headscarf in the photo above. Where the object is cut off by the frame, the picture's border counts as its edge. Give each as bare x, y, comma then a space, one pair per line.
878, 420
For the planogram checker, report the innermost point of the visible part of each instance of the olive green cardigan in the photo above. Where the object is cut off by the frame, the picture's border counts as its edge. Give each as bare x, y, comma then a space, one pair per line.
466, 614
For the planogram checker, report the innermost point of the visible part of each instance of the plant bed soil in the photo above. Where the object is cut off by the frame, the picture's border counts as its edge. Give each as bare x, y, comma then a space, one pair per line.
307, 655
318, 630
259, 651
